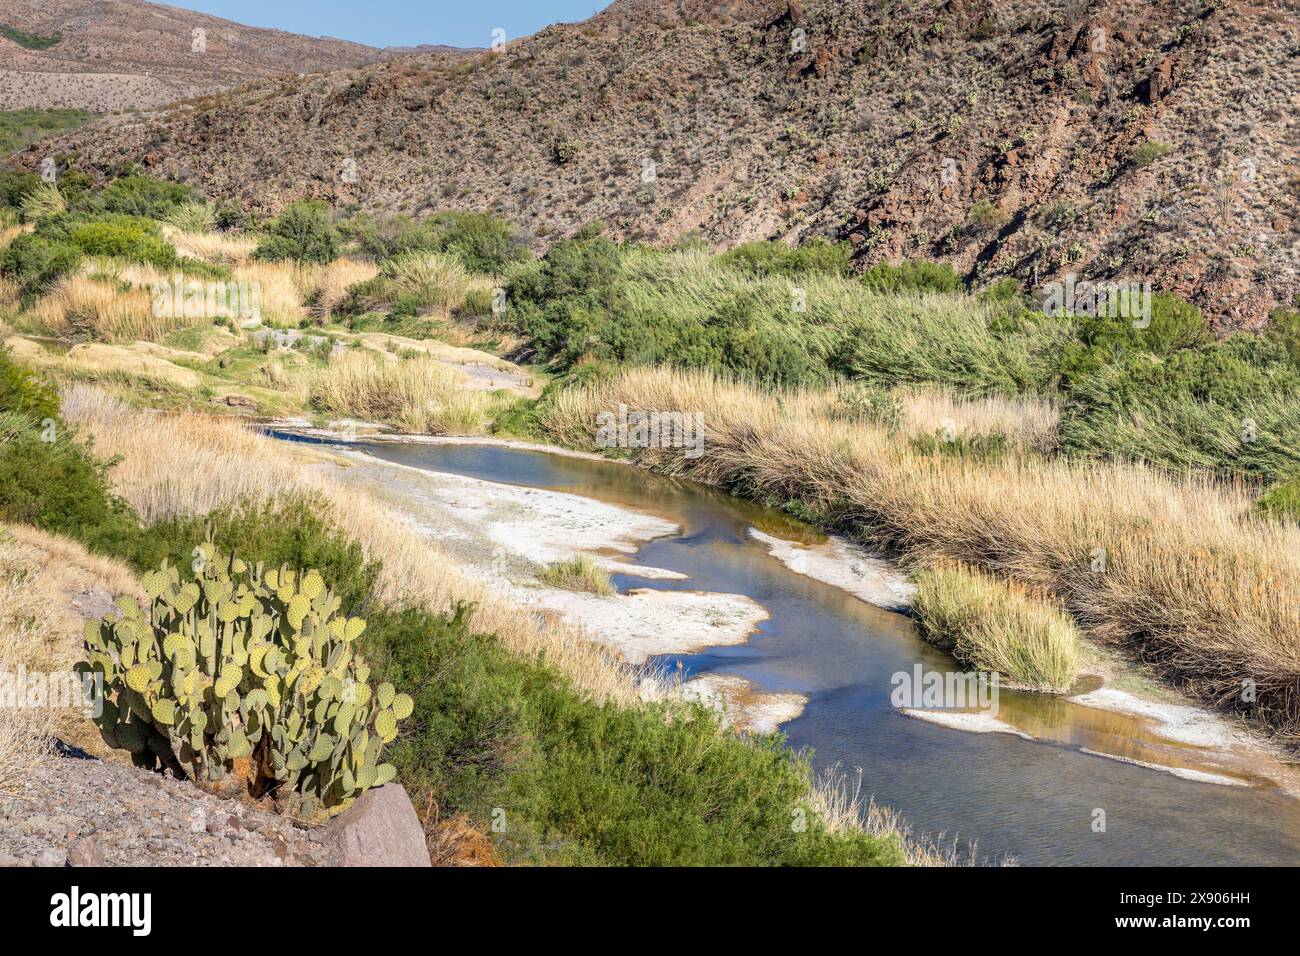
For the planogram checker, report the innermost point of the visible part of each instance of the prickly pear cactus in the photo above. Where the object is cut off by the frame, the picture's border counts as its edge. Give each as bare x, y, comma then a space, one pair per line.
247, 677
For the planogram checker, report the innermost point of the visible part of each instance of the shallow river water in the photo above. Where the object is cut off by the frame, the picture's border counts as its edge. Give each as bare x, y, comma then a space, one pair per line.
1032, 799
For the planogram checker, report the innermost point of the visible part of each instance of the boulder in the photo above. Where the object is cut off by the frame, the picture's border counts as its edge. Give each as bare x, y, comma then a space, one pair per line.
380, 829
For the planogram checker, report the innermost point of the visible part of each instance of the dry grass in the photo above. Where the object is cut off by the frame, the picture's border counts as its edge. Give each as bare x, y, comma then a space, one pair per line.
191, 464
326, 286
1176, 570
277, 287
998, 627
837, 798
84, 308
578, 574
1028, 423
219, 247
40, 630
418, 393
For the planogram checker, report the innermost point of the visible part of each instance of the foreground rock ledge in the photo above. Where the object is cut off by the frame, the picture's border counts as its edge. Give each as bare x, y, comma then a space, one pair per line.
70, 812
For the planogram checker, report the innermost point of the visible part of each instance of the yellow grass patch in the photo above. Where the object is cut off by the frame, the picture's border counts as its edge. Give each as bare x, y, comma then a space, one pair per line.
419, 393
218, 247
326, 286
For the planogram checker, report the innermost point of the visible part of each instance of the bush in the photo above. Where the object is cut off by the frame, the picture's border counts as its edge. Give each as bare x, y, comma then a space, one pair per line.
136, 195
993, 626
193, 217
774, 258
289, 531
1100, 339
36, 263
58, 486
304, 231
1284, 329
1231, 406
1149, 152
590, 783
121, 237
914, 276
480, 241
1281, 502
22, 393
244, 678
409, 284
14, 186
44, 200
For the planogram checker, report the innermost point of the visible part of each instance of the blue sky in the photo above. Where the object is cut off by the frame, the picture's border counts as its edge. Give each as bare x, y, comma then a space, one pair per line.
401, 22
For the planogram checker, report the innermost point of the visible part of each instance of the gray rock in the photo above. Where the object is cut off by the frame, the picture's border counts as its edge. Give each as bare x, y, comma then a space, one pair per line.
380, 829
51, 856
86, 852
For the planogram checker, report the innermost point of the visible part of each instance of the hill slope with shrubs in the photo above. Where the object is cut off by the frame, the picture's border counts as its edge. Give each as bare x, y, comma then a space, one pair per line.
1114, 139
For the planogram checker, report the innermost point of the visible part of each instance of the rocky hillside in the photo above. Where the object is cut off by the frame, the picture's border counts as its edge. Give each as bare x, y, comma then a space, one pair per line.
1138, 139
110, 55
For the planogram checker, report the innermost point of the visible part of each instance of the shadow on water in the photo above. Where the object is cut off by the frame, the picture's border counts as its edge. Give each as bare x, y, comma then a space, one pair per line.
1036, 800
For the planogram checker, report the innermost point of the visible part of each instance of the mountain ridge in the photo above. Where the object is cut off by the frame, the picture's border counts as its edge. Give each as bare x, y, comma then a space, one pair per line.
1040, 140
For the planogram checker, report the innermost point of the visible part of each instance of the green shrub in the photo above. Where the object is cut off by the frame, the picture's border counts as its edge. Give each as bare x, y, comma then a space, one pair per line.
1284, 328
915, 276
774, 258
289, 531
590, 783
1149, 152
246, 678
14, 186
304, 231
22, 393
31, 41
137, 195
1281, 502
36, 263
58, 486
20, 128
1230, 406
194, 217
122, 237
1099, 339
480, 241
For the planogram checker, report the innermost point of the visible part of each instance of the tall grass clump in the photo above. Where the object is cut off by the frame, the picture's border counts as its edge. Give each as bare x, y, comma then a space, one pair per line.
993, 626
418, 393
578, 574
413, 283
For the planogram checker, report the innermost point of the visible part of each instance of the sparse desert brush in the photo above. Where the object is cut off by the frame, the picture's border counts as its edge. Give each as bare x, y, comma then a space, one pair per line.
419, 393
996, 626
1179, 571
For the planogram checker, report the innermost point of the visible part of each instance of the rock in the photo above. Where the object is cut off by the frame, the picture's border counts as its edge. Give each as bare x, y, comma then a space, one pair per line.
380, 829
86, 852
51, 856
